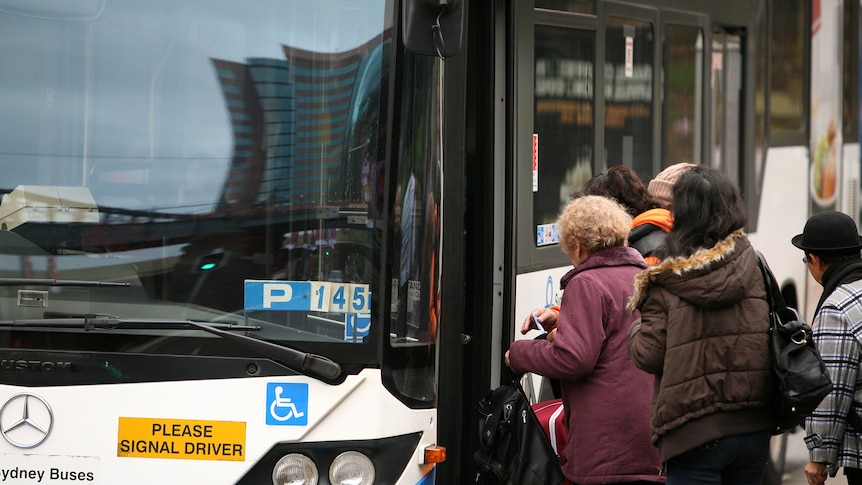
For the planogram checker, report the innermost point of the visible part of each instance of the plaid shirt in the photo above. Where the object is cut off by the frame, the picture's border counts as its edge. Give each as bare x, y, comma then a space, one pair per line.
837, 327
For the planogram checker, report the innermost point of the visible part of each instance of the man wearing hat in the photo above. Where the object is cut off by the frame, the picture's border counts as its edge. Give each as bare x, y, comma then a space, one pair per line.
834, 432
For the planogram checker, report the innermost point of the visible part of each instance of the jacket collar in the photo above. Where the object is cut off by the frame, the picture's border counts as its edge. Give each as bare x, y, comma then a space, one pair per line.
702, 258
613, 256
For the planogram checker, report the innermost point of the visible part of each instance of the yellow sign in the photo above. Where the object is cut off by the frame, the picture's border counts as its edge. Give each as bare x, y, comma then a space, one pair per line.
181, 439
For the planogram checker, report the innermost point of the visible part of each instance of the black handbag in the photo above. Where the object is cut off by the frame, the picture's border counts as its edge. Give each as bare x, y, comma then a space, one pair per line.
513, 448
801, 379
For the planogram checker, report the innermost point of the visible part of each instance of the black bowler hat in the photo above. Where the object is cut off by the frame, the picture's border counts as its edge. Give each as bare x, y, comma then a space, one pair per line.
829, 232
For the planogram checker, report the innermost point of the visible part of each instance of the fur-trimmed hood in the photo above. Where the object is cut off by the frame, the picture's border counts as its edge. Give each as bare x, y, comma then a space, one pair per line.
703, 332
678, 274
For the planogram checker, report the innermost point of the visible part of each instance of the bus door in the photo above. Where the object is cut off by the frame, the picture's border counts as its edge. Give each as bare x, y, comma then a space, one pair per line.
554, 70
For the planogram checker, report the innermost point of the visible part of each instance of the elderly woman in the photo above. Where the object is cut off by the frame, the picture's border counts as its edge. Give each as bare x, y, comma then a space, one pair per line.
605, 397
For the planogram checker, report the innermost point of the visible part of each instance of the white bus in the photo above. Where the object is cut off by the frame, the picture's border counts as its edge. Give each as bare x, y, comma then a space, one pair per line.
289, 242
192, 244
767, 91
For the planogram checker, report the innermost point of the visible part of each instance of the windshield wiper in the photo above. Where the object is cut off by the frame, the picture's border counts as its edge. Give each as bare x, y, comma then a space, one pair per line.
54, 282
110, 322
303, 362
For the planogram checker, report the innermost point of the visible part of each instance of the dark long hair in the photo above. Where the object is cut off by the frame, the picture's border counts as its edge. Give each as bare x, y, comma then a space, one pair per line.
621, 184
706, 208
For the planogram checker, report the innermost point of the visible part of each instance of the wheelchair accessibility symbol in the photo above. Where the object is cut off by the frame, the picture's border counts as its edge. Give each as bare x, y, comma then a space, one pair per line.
287, 403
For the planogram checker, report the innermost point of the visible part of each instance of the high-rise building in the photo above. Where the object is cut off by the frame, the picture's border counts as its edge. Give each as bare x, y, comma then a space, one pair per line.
291, 122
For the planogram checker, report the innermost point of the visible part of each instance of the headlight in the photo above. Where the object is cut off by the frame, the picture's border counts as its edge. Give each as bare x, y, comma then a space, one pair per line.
351, 468
295, 469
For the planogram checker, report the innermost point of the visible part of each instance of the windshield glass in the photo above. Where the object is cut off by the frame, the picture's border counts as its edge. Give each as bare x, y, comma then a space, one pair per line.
221, 157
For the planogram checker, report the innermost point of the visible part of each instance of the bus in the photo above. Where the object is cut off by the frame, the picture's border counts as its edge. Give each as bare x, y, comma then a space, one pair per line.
193, 225
766, 91
289, 242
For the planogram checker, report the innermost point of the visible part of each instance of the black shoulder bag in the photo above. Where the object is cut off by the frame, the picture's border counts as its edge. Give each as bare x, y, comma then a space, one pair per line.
513, 448
801, 379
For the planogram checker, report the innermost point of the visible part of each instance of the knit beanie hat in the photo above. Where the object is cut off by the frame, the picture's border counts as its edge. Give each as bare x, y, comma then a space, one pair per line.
661, 187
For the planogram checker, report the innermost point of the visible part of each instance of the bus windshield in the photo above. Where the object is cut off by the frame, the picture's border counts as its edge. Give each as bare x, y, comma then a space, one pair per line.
220, 159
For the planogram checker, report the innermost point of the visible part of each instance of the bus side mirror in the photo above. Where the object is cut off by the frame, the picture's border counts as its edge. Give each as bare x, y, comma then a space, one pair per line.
433, 27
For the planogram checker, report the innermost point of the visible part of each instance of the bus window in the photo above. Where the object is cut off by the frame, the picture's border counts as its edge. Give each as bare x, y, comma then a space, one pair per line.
628, 94
788, 77
760, 115
683, 58
563, 121
410, 362
226, 148
726, 82
850, 72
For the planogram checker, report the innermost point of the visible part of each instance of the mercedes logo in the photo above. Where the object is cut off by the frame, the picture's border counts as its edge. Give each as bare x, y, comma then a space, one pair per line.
26, 420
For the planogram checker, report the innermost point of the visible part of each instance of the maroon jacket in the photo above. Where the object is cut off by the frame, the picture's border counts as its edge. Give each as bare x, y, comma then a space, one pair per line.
607, 398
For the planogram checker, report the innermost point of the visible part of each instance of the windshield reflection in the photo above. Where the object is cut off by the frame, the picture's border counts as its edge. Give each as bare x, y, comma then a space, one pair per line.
187, 148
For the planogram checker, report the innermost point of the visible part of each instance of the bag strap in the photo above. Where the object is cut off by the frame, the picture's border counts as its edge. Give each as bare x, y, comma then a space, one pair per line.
773, 294
516, 381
